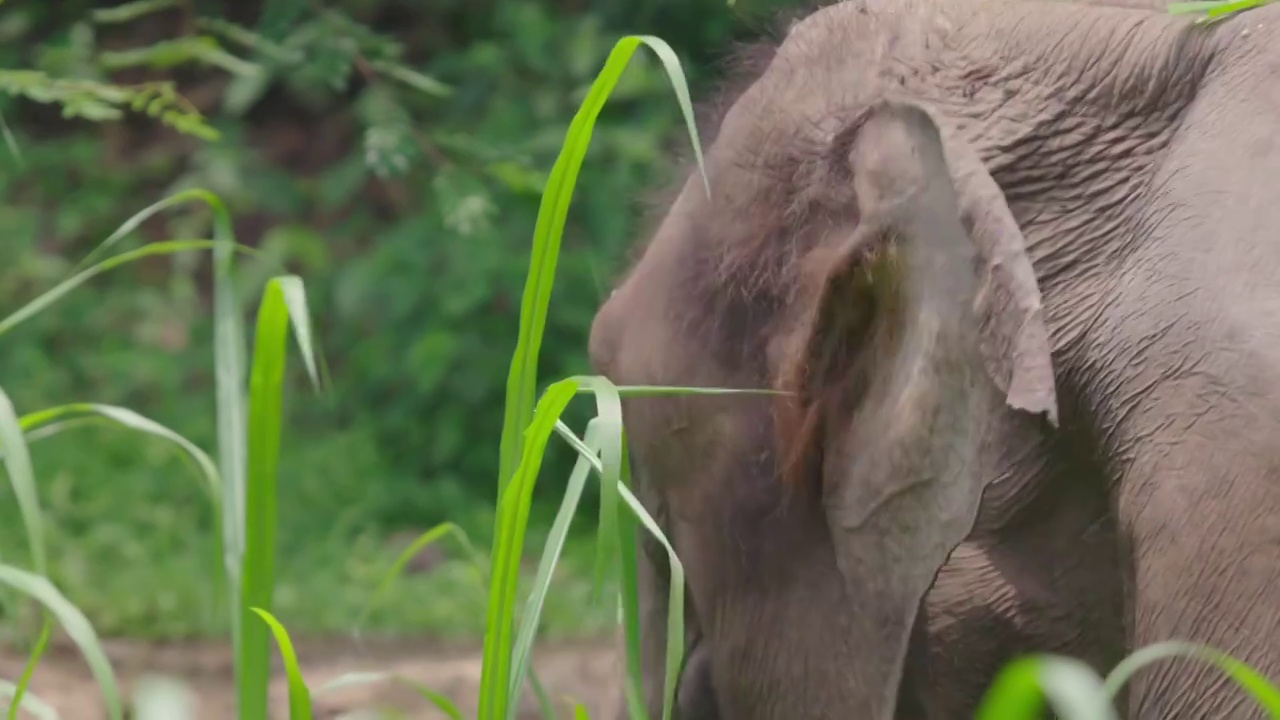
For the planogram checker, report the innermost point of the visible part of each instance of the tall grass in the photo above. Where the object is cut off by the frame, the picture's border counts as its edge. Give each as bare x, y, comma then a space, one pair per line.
242, 486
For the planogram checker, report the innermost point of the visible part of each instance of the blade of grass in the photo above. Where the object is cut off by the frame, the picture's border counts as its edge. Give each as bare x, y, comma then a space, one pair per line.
22, 477
1263, 691
135, 221
477, 561
664, 390
511, 522
540, 694
520, 410
132, 420
675, 598
266, 384
629, 586
1196, 6
299, 695
608, 412
675, 603
442, 703
30, 702
294, 294
1074, 690
64, 417
548, 228
444, 529
51, 296
550, 556
33, 660
76, 626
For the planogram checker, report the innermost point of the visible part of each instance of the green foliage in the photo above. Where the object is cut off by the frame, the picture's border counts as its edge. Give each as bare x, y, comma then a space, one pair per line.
101, 101
376, 184
1211, 11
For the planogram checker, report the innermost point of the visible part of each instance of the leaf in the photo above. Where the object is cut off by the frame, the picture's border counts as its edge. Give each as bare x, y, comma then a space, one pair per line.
552, 214
609, 413
129, 419
76, 626
51, 296
299, 695
414, 79
427, 538
675, 598
266, 384
511, 523
550, 556
20, 690
1073, 689
1263, 692
442, 703
32, 704
17, 461
130, 11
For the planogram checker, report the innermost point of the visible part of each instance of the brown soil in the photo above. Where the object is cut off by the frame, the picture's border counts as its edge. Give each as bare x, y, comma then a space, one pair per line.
586, 673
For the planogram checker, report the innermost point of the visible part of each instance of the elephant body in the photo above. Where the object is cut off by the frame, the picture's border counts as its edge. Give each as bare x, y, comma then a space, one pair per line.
1014, 266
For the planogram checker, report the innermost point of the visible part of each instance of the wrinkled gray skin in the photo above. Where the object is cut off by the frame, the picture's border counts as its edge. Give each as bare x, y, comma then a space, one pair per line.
1017, 265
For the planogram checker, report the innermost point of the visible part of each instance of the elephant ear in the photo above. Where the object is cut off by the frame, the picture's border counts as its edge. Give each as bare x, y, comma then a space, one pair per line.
1014, 339
925, 305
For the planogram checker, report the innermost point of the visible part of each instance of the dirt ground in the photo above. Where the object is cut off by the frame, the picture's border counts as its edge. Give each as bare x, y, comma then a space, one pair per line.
585, 672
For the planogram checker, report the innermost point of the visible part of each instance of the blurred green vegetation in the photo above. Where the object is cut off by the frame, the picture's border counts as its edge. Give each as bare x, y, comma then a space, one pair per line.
393, 155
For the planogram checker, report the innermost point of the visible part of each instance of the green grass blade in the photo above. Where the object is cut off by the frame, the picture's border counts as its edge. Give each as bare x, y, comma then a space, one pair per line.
231, 418
669, 390
127, 418
40, 709
671, 63
550, 556
145, 214
508, 542
445, 529
42, 642
442, 703
675, 599
1230, 8
540, 694
628, 531
294, 294
77, 627
266, 381
1263, 691
608, 412
299, 695
17, 462
475, 559
579, 712
1196, 6
57, 292
552, 214
1073, 689
675, 603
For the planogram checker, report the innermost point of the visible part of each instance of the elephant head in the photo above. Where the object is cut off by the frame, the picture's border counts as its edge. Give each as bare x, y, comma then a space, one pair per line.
854, 255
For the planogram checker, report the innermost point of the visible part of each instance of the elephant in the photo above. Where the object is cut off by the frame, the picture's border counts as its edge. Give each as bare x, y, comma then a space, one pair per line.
1000, 283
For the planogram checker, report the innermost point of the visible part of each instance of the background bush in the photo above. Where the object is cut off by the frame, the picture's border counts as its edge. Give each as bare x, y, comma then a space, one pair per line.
391, 153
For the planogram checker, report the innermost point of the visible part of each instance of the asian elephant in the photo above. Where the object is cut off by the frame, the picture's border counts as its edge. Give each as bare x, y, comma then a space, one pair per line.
1009, 272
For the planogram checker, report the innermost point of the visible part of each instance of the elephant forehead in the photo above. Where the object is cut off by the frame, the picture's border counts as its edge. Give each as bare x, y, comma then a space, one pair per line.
862, 32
